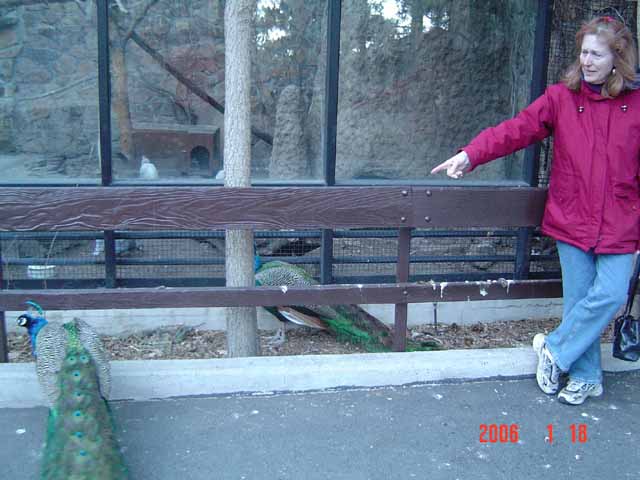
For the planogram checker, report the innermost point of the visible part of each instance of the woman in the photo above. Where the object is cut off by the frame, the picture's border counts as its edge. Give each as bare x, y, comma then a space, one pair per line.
593, 203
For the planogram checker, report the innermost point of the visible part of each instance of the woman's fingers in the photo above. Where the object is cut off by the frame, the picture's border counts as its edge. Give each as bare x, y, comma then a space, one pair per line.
441, 167
452, 168
455, 166
453, 173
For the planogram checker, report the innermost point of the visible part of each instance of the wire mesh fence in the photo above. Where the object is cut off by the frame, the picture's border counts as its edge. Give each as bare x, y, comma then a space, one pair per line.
175, 258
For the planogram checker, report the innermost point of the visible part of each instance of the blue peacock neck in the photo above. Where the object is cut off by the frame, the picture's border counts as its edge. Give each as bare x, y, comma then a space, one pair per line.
33, 328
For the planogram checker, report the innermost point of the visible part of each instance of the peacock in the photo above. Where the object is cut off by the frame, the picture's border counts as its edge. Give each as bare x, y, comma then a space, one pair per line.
348, 323
73, 372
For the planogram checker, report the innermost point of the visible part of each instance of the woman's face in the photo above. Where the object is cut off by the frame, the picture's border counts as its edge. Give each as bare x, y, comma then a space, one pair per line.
596, 59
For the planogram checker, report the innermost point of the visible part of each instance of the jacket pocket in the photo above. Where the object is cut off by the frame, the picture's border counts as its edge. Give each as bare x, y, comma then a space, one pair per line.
563, 190
627, 196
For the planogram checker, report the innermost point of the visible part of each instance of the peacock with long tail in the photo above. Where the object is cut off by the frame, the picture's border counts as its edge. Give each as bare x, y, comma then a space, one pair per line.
349, 323
73, 372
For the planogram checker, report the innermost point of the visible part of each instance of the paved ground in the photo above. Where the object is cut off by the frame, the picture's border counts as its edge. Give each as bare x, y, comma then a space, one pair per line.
424, 432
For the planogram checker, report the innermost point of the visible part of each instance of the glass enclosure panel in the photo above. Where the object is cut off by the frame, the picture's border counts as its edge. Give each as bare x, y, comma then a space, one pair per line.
48, 93
289, 82
168, 90
163, 56
420, 78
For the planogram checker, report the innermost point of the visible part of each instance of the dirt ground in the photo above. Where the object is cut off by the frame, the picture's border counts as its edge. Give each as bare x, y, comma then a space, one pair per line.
179, 342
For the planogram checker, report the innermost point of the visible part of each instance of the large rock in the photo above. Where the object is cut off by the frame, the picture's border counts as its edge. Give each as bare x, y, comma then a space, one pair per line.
6, 127
289, 157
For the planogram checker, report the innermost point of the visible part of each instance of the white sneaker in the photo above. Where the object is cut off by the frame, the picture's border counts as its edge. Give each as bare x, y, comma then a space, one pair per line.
575, 393
548, 373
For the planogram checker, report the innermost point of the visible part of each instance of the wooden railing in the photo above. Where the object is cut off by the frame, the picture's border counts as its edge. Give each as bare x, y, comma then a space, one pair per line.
206, 208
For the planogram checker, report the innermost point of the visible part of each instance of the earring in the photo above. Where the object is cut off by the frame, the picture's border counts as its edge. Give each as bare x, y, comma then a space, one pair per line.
613, 71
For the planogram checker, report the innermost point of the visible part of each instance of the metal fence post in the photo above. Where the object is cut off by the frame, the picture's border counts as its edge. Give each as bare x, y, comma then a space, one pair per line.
104, 104
330, 121
532, 153
4, 348
326, 257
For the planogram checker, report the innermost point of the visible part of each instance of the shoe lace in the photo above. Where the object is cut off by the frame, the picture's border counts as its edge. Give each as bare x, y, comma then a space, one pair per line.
575, 386
549, 364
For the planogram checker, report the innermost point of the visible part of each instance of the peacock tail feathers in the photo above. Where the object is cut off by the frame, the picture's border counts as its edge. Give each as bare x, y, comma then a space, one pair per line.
80, 440
53, 341
346, 331
73, 336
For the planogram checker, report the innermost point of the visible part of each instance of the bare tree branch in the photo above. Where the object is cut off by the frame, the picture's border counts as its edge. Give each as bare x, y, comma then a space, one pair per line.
71, 85
24, 3
131, 34
189, 84
138, 19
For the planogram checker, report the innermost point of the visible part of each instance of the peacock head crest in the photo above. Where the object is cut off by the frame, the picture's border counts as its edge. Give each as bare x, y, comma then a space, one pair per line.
33, 320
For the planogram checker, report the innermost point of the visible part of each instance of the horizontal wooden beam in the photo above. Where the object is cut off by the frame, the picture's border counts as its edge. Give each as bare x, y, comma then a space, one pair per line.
207, 208
478, 207
143, 298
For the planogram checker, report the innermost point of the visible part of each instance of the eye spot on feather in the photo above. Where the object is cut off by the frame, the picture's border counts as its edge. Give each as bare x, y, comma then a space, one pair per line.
79, 434
82, 453
84, 359
76, 373
71, 360
77, 414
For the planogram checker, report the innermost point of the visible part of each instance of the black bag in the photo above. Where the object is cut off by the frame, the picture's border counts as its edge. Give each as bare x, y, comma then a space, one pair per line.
626, 333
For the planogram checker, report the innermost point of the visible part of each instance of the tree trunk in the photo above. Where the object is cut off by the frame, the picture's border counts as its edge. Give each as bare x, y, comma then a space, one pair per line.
242, 324
120, 91
417, 23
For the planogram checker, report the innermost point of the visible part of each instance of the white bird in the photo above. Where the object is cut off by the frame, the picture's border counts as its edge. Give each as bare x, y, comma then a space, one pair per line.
148, 170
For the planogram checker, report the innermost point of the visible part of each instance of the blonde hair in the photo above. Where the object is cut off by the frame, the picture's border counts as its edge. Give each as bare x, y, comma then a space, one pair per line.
625, 59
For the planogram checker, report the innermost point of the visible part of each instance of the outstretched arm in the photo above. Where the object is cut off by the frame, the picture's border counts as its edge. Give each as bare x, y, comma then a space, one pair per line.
531, 125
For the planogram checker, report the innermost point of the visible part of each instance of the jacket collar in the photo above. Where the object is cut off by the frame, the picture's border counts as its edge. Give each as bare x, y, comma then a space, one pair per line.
585, 91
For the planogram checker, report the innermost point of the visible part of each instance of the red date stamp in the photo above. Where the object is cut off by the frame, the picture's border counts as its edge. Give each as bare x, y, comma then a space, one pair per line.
578, 433
499, 433
510, 433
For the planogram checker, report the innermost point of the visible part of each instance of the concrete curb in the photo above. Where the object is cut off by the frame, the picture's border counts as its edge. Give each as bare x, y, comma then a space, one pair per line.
156, 379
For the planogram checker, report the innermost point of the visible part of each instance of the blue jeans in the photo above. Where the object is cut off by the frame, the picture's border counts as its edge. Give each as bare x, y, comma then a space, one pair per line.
594, 287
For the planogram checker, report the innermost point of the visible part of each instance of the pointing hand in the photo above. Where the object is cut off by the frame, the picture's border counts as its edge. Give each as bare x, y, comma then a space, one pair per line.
455, 166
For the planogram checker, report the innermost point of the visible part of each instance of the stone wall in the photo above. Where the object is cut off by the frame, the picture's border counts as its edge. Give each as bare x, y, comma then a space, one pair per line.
406, 101
405, 107
11, 44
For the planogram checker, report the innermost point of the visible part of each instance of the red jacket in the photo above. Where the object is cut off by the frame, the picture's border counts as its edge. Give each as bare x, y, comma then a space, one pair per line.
593, 200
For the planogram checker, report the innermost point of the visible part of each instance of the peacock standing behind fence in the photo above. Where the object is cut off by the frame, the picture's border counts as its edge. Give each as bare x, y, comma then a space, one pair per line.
73, 371
349, 323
